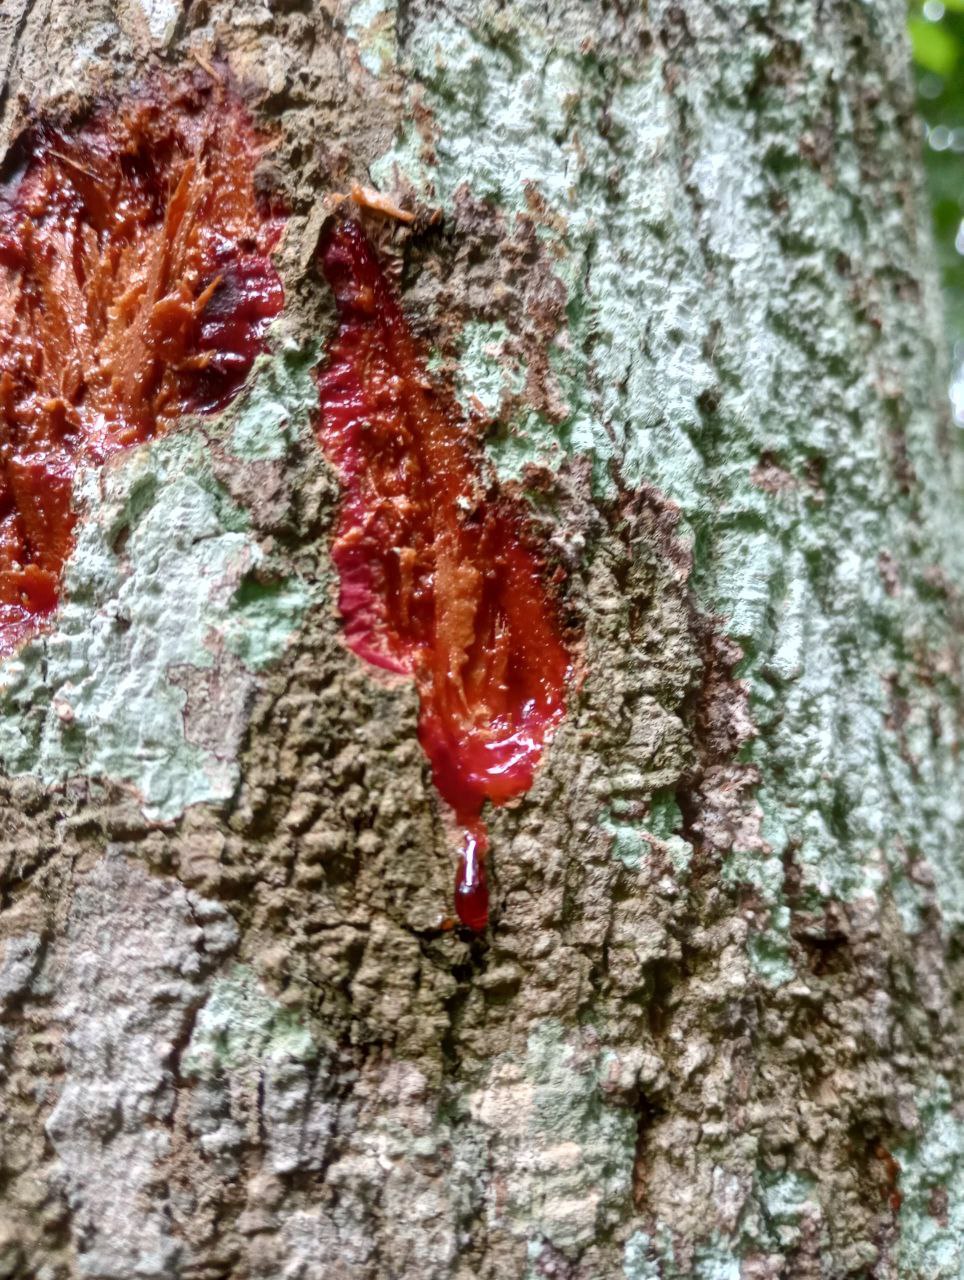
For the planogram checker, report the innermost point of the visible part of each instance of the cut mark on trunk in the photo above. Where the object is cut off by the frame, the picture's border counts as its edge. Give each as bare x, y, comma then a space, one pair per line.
439, 579
136, 285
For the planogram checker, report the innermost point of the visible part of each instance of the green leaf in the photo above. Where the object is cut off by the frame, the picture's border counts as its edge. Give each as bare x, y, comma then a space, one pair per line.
953, 6
935, 49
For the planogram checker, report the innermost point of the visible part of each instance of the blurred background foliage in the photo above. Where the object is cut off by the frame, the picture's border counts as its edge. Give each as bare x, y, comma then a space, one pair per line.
937, 37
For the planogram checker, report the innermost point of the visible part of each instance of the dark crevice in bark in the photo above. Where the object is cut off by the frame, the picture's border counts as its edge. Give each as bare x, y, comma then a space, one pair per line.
648, 1113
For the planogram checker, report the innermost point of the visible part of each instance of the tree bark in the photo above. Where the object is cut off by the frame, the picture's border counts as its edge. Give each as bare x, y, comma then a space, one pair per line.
682, 268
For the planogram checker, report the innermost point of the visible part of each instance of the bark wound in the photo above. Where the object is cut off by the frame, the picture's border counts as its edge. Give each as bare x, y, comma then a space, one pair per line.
438, 579
135, 285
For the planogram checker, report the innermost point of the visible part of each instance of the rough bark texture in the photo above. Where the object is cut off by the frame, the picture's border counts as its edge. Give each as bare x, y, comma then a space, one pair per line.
715, 1028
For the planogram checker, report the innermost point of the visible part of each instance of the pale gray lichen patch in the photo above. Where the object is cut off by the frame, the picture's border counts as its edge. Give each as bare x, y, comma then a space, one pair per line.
247, 1050
160, 583
638, 1260
240, 1027
499, 139
150, 24
932, 1186
20, 959
574, 1178
634, 840
130, 971
263, 618
484, 373
156, 565
768, 945
371, 25
280, 403
777, 1228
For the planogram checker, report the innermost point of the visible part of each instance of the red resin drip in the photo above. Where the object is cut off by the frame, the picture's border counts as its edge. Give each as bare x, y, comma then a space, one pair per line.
471, 889
135, 285
437, 578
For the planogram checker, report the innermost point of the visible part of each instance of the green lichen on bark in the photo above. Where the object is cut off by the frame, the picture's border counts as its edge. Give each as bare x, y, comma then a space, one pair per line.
164, 578
240, 1026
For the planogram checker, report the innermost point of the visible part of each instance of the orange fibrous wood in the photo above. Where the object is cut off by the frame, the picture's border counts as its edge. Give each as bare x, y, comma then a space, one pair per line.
136, 285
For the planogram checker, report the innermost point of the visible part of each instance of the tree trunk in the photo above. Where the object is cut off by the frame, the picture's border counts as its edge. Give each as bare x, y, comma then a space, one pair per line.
682, 274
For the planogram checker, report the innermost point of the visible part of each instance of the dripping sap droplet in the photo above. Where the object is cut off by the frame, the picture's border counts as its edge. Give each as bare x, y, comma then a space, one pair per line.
471, 885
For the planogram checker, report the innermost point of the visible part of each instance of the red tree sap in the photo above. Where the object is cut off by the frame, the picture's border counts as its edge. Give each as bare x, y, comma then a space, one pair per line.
439, 579
136, 285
